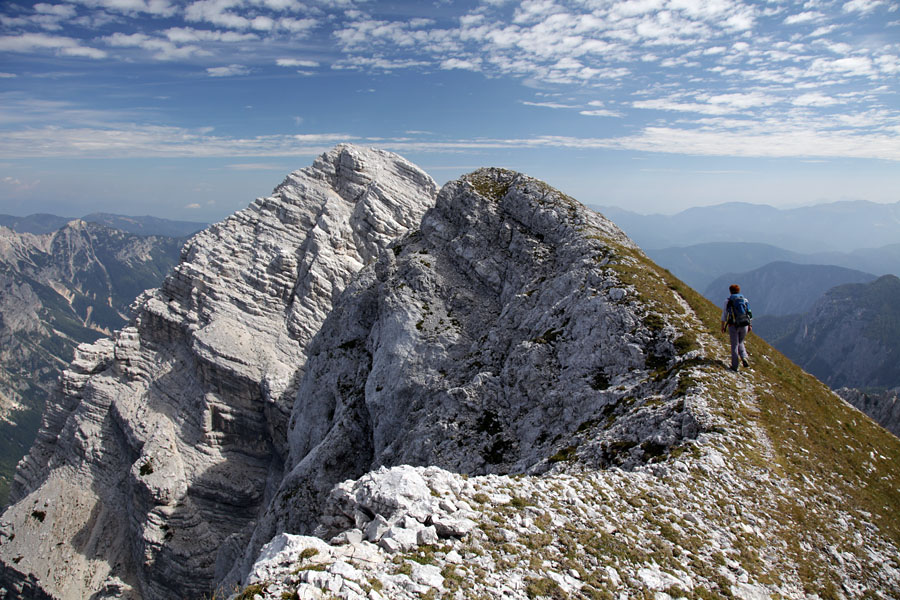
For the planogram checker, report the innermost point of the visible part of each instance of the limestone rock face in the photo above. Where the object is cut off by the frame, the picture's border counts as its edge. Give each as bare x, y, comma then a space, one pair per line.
59, 289
486, 342
165, 442
883, 407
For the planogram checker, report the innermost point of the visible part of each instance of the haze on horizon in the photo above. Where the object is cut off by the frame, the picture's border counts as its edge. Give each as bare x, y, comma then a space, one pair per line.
189, 110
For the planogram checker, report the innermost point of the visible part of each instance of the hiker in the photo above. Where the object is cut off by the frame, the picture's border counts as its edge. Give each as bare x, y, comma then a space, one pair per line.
736, 318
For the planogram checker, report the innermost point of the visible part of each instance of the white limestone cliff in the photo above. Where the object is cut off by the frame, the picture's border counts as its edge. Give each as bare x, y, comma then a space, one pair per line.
482, 343
164, 443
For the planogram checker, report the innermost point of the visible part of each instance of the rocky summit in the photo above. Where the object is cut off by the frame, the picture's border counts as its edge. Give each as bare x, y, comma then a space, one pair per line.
361, 388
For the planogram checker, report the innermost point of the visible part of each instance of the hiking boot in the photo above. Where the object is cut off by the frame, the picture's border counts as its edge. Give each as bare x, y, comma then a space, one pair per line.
744, 362
735, 369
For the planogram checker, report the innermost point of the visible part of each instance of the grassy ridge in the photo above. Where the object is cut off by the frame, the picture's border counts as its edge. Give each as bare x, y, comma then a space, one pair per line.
798, 412
834, 456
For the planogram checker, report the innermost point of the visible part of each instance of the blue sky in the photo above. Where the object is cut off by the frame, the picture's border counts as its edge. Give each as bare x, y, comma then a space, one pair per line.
190, 110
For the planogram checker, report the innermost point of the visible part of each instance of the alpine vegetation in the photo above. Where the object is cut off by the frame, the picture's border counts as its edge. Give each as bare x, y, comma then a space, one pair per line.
361, 387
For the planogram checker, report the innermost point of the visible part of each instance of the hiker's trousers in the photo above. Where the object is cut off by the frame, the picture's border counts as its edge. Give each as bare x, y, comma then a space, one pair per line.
737, 336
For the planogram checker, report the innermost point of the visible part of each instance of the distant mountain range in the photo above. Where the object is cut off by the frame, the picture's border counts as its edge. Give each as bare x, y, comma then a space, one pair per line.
698, 265
849, 338
57, 290
44, 223
838, 226
783, 288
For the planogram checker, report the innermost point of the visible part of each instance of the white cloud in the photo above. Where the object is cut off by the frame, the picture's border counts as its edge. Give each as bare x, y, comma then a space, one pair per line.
600, 112
548, 104
322, 138
742, 139
456, 63
162, 8
8, 75
31, 42
193, 206
814, 99
838, 47
377, 62
15, 185
741, 100
862, 6
854, 66
262, 23
63, 11
162, 49
257, 167
888, 63
282, 5
130, 140
216, 12
229, 71
673, 105
803, 17
798, 143
631, 8
742, 21
294, 62
187, 35
824, 30
716, 64
45, 16
297, 26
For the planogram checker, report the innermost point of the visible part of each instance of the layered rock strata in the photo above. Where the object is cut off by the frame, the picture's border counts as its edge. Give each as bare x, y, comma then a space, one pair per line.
165, 442
57, 290
489, 341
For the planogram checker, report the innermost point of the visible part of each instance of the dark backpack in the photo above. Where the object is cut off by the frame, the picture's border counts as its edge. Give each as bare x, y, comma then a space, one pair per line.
739, 312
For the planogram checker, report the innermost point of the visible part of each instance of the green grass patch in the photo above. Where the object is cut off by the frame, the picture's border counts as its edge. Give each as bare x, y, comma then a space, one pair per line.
488, 186
544, 587
564, 455
250, 591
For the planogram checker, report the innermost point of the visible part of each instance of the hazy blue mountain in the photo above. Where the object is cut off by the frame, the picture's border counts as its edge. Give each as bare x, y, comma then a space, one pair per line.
56, 291
838, 226
37, 223
146, 225
785, 288
699, 265
849, 338
881, 261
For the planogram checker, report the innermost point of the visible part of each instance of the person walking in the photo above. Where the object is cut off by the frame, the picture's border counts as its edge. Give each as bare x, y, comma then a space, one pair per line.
736, 318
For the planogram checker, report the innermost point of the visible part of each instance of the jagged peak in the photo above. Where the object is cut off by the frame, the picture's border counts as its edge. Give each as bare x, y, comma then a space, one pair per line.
350, 169
76, 225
